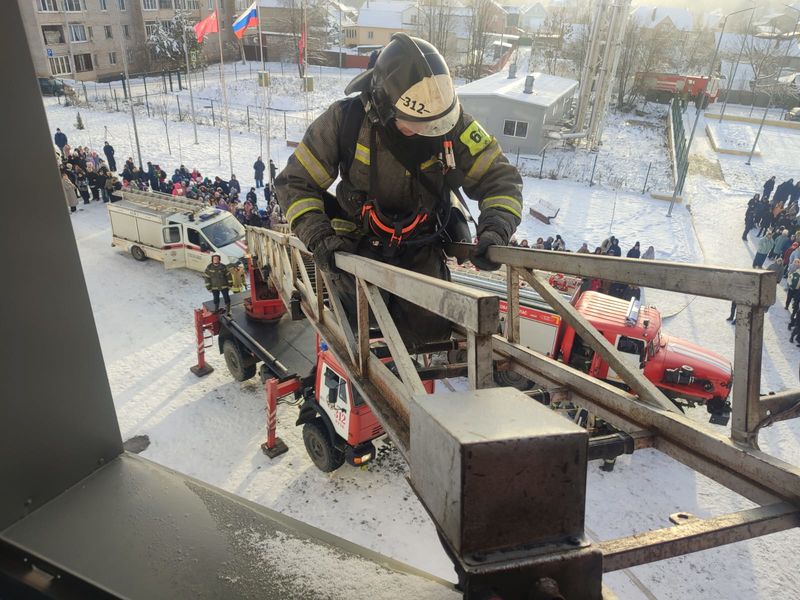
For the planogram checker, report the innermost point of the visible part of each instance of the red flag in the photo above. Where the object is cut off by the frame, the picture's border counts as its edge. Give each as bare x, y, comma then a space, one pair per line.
301, 45
206, 26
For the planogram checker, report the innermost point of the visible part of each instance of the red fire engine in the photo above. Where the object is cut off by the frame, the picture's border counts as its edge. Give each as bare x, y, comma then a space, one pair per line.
663, 87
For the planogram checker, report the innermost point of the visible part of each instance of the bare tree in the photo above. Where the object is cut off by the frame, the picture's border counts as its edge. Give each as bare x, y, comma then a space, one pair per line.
478, 38
629, 61
435, 23
557, 27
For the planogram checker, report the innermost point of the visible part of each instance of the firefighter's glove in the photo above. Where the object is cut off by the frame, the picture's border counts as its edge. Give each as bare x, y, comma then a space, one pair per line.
324, 249
487, 238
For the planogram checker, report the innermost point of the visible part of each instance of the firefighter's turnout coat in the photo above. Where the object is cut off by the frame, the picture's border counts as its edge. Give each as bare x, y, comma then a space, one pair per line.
374, 174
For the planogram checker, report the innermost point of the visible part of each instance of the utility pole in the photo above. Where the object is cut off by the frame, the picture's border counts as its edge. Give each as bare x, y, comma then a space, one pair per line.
699, 110
736, 66
128, 80
777, 79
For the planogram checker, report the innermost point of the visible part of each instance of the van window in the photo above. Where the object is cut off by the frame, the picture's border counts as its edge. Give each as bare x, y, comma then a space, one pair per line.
172, 235
195, 238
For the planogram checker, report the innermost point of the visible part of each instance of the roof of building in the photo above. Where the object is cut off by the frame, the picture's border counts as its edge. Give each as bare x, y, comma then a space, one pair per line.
547, 89
387, 15
652, 16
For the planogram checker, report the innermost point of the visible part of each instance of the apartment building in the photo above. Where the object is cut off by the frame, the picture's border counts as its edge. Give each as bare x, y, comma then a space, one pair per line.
82, 39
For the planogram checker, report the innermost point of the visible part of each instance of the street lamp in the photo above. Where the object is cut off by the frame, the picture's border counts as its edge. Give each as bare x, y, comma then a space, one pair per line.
697, 114
777, 78
736, 65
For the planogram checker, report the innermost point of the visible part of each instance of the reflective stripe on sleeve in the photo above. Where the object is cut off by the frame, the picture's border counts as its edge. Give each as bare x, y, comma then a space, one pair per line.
362, 154
485, 160
313, 166
343, 226
300, 207
506, 203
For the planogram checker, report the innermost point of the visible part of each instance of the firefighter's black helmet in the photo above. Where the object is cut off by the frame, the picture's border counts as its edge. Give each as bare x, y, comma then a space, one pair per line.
410, 82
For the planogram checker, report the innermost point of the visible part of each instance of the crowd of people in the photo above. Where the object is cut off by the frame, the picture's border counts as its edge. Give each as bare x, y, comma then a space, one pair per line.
87, 176
609, 247
778, 238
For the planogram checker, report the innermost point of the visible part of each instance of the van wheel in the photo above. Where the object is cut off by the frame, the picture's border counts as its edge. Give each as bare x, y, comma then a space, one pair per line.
512, 379
241, 367
318, 445
138, 253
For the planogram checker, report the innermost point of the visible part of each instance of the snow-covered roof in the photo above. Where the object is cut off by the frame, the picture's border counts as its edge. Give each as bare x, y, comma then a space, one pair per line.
547, 89
387, 15
649, 16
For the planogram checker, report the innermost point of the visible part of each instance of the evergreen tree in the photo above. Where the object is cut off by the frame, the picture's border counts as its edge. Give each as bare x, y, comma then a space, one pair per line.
79, 122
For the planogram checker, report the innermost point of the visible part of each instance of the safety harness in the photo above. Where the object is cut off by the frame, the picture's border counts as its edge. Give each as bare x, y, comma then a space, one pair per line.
390, 232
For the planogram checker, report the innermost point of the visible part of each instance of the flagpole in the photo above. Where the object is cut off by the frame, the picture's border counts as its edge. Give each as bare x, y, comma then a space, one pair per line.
189, 79
224, 89
266, 90
305, 59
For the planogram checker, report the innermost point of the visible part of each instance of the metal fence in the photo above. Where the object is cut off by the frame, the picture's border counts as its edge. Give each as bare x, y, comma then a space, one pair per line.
596, 168
679, 150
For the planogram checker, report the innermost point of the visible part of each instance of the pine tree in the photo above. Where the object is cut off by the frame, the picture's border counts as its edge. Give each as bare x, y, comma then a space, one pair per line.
79, 122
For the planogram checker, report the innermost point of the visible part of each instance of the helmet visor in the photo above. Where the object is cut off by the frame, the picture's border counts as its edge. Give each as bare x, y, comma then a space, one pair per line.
434, 128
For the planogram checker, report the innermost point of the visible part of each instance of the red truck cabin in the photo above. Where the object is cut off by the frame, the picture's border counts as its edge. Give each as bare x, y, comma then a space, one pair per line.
629, 327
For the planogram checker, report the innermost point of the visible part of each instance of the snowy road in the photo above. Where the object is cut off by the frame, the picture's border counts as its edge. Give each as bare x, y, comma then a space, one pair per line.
211, 428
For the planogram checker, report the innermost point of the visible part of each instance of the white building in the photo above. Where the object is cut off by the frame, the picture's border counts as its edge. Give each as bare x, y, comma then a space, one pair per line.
518, 111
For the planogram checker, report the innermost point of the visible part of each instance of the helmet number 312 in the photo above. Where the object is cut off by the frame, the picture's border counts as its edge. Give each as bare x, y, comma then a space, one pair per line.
417, 107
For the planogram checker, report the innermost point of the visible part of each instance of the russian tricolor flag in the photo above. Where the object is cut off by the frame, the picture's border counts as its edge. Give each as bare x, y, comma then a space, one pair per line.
249, 18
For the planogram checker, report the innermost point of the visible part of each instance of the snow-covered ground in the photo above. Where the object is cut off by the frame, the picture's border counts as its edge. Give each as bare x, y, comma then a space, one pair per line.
732, 136
211, 428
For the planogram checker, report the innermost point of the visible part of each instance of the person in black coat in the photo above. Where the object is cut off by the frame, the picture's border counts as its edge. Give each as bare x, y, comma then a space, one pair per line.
251, 197
60, 139
108, 150
769, 185
750, 215
273, 171
634, 252
92, 177
613, 248
764, 216
258, 172
234, 186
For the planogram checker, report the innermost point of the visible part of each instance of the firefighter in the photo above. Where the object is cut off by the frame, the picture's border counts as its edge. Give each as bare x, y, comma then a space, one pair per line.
403, 148
218, 279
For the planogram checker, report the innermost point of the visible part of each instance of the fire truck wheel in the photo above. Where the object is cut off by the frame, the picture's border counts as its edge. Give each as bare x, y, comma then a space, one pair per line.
318, 445
512, 379
241, 368
138, 253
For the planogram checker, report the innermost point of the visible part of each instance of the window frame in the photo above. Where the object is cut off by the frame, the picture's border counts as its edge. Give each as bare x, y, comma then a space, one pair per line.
82, 59
112, 57
103, 5
61, 60
515, 128
108, 31
46, 5
149, 5
73, 27
59, 28
72, 3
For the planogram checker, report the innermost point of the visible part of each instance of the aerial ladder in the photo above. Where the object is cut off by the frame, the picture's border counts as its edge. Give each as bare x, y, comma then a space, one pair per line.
462, 447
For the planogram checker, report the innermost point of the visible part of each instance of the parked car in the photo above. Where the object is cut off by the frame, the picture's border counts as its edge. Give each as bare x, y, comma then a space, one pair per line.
50, 86
792, 115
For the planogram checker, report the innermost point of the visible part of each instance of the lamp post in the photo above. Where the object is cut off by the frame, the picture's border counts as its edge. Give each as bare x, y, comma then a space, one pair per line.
777, 78
697, 115
736, 65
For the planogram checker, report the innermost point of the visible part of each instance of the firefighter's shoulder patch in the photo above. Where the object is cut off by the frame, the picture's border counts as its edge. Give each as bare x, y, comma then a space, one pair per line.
475, 138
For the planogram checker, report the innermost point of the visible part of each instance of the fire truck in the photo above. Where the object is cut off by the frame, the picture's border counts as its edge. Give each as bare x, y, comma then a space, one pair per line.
339, 427
685, 372
663, 87
295, 362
